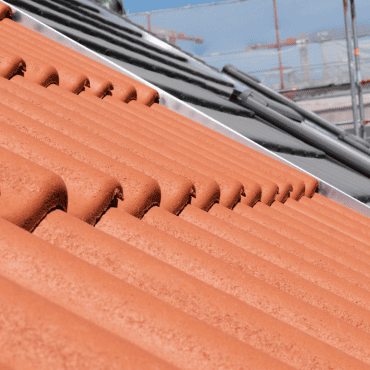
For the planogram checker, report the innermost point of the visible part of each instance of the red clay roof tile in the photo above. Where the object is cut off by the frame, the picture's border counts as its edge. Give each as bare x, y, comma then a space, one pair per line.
333, 247
216, 276
90, 191
10, 64
134, 153
123, 84
28, 191
38, 71
196, 298
5, 11
50, 336
122, 308
239, 150
309, 210
328, 230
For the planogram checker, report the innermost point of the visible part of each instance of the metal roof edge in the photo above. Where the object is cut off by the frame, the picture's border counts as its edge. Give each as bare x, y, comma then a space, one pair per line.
176, 105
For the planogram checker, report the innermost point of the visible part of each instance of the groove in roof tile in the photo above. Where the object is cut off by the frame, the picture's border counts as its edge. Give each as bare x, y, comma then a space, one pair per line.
191, 296
123, 309
28, 191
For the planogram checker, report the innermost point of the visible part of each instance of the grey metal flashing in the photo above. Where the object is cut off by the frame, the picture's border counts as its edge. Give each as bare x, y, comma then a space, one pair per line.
185, 109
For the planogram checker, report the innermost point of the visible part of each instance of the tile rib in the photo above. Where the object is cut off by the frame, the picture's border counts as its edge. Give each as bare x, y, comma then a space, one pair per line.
314, 308
239, 150
28, 191
353, 243
122, 83
190, 295
275, 253
37, 334
90, 191
329, 221
303, 245
336, 216
71, 77
142, 191
164, 130
121, 308
339, 249
357, 216
159, 167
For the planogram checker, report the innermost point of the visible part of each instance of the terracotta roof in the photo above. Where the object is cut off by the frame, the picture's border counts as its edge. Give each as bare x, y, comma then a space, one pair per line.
133, 237
189, 79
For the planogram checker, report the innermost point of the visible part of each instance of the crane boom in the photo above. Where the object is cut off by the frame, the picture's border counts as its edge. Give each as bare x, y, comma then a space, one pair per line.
312, 37
187, 7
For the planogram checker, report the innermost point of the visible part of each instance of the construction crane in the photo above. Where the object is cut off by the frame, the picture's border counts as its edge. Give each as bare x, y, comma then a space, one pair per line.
148, 14
302, 42
172, 36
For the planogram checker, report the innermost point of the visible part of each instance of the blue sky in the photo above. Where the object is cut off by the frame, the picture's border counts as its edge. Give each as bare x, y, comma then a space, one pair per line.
232, 27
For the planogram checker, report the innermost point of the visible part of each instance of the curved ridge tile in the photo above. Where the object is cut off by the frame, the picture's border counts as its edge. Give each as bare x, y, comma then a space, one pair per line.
100, 152
11, 64
142, 191
5, 11
28, 191
72, 77
121, 82
248, 177
231, 187
90, 191
158, 166
240, 150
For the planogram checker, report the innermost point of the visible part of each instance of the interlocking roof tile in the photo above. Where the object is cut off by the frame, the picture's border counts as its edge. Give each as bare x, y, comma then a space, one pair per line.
133, 237
186, 78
